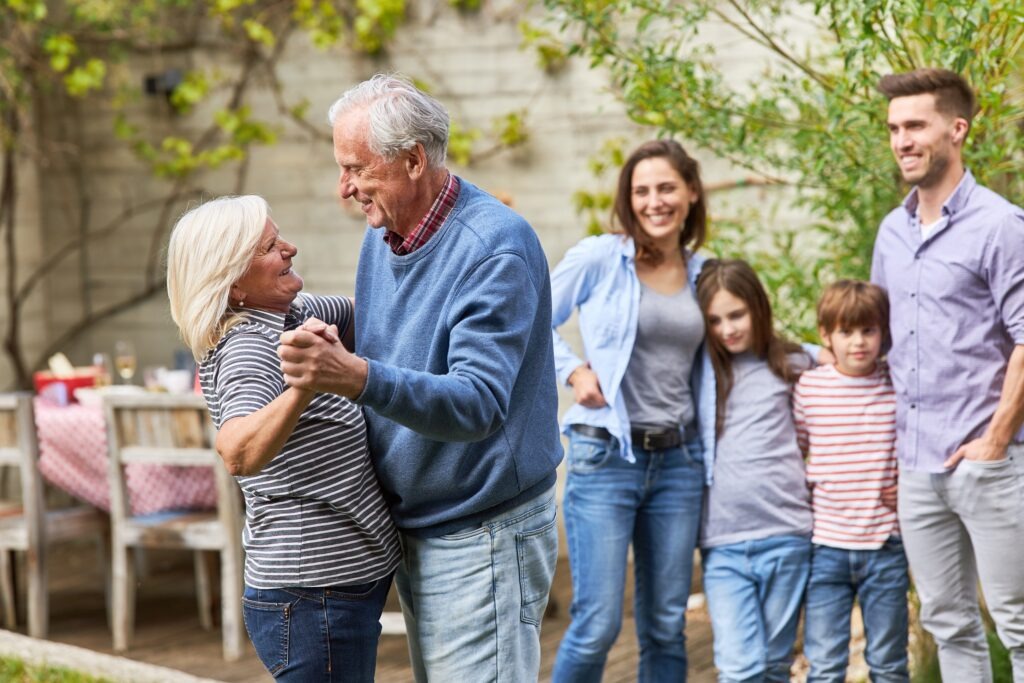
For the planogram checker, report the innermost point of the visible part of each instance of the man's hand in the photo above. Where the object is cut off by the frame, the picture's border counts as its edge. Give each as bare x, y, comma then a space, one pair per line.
313, 358
587, 388
981, 450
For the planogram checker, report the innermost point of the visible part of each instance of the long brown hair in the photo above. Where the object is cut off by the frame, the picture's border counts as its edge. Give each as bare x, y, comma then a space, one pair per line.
694, 227
740, 280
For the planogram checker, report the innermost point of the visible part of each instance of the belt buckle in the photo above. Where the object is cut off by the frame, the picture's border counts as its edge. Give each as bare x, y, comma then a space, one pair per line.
647, 441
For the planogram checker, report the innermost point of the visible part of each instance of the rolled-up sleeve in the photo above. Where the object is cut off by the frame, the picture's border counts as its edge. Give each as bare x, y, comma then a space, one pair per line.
1004, 264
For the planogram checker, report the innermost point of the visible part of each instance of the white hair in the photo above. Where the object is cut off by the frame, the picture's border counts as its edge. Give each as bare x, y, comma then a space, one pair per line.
210, 249
400, 115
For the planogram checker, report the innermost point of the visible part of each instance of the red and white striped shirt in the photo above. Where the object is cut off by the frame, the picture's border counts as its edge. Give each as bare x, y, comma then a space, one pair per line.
846, 426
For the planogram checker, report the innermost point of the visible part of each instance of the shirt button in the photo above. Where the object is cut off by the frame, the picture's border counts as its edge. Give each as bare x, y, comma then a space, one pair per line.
911, 332
913, 294
913, 405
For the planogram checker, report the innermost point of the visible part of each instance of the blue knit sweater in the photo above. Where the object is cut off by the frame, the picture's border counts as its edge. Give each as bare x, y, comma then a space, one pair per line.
461, 394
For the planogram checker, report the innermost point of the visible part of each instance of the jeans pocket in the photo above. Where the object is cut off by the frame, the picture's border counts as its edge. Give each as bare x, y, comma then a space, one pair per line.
587, 454
356, 591
267, 624
537, 551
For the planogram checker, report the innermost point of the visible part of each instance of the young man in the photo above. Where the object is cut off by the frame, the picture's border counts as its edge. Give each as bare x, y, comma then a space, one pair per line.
952, 260
454, 366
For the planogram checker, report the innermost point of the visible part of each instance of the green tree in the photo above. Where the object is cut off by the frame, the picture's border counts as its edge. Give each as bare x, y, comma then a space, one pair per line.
809, 117
84, 57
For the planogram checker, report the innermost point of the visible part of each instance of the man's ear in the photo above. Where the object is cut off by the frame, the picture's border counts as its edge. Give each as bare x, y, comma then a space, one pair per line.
960, 130
415, 161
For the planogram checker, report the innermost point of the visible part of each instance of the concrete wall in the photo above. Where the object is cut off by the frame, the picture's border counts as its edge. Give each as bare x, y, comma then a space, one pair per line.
473, 63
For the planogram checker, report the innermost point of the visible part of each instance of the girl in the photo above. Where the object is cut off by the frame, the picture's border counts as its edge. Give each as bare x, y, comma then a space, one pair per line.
638, 429
757, 522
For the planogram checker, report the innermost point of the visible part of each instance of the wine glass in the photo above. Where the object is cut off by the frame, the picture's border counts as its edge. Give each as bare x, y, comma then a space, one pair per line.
124, 360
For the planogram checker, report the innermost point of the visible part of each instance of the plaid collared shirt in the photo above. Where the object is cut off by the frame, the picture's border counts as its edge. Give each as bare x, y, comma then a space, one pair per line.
429, 224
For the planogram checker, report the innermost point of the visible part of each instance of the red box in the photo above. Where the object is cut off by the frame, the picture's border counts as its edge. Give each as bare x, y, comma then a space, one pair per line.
61, 390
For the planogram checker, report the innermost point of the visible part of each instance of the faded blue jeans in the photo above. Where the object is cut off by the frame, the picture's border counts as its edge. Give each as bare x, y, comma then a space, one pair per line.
754, 591
878, 580
317, 634
655, 504
473, 600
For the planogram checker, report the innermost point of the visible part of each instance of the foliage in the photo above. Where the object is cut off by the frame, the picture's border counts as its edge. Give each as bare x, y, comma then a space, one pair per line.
552, 55
85, 58
595, 205
809, 117
17, 671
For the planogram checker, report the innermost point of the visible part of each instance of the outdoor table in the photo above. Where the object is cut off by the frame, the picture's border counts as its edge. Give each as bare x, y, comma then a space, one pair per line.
73, 457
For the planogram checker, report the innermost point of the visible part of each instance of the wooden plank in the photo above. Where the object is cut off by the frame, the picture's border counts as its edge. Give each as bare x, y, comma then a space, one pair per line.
7, 429
10, 456
169, 455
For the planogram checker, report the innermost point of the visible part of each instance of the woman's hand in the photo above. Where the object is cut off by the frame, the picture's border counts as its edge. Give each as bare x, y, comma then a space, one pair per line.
319, 327
587, 388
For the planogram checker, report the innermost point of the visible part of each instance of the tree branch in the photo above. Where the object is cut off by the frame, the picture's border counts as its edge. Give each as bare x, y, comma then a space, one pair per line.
769, 42
85, 323
53, 260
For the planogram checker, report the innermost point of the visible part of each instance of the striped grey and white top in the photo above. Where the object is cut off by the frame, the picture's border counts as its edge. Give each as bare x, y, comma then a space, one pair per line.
315, 515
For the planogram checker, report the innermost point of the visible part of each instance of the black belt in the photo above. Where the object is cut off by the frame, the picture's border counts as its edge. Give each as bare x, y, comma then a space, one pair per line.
648, 439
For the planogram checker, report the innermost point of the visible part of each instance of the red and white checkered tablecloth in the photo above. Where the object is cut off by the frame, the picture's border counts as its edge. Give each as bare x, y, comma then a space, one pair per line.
73, 457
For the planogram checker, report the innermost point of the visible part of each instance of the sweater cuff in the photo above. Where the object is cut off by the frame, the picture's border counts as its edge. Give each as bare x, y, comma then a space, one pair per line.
380, 379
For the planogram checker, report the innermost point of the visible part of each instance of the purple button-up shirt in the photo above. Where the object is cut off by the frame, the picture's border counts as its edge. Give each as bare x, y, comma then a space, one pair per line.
957, 310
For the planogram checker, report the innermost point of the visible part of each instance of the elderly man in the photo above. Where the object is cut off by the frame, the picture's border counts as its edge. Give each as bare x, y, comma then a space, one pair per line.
454, 366
952, 258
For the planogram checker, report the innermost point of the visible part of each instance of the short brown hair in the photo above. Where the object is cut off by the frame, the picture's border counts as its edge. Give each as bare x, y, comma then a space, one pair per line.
953, 94
854, 303
695, 225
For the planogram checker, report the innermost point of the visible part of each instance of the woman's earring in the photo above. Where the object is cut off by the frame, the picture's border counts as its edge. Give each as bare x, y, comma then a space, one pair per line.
241, 303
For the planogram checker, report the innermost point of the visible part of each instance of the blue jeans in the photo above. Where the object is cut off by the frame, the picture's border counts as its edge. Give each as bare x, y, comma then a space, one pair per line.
473, 600
655, 504
878, 580
754, 591
317, 634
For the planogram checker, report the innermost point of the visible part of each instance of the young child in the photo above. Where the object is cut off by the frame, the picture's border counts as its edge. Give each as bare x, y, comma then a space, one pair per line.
756, 529
845, 418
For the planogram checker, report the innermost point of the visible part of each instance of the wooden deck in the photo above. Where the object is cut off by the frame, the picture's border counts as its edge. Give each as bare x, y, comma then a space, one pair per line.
168, 633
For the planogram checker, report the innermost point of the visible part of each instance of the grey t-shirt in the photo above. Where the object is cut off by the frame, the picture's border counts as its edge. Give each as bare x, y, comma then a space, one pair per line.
656, 385
760, 488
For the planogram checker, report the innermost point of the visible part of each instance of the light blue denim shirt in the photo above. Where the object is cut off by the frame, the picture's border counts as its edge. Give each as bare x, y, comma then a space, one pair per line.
598, 276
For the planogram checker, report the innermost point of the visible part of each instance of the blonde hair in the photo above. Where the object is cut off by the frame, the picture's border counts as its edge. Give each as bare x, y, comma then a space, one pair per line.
210, 249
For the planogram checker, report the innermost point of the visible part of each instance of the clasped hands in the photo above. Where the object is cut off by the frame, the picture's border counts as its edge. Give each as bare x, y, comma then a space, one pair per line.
314, 359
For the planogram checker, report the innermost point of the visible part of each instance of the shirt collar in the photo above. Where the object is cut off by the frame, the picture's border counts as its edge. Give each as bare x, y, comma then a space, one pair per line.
431, 221
276, 321
953, 203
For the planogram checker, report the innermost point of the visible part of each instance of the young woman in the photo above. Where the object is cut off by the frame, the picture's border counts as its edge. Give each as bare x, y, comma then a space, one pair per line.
639, 429
756, 532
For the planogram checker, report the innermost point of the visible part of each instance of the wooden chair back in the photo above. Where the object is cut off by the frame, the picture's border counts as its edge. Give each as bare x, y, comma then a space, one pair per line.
172, 429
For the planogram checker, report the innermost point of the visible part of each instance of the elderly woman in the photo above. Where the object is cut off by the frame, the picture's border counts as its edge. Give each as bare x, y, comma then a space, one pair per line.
320, 546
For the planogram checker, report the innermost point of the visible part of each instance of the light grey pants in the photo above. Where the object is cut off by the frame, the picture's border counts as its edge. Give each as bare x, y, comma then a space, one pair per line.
958, 527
